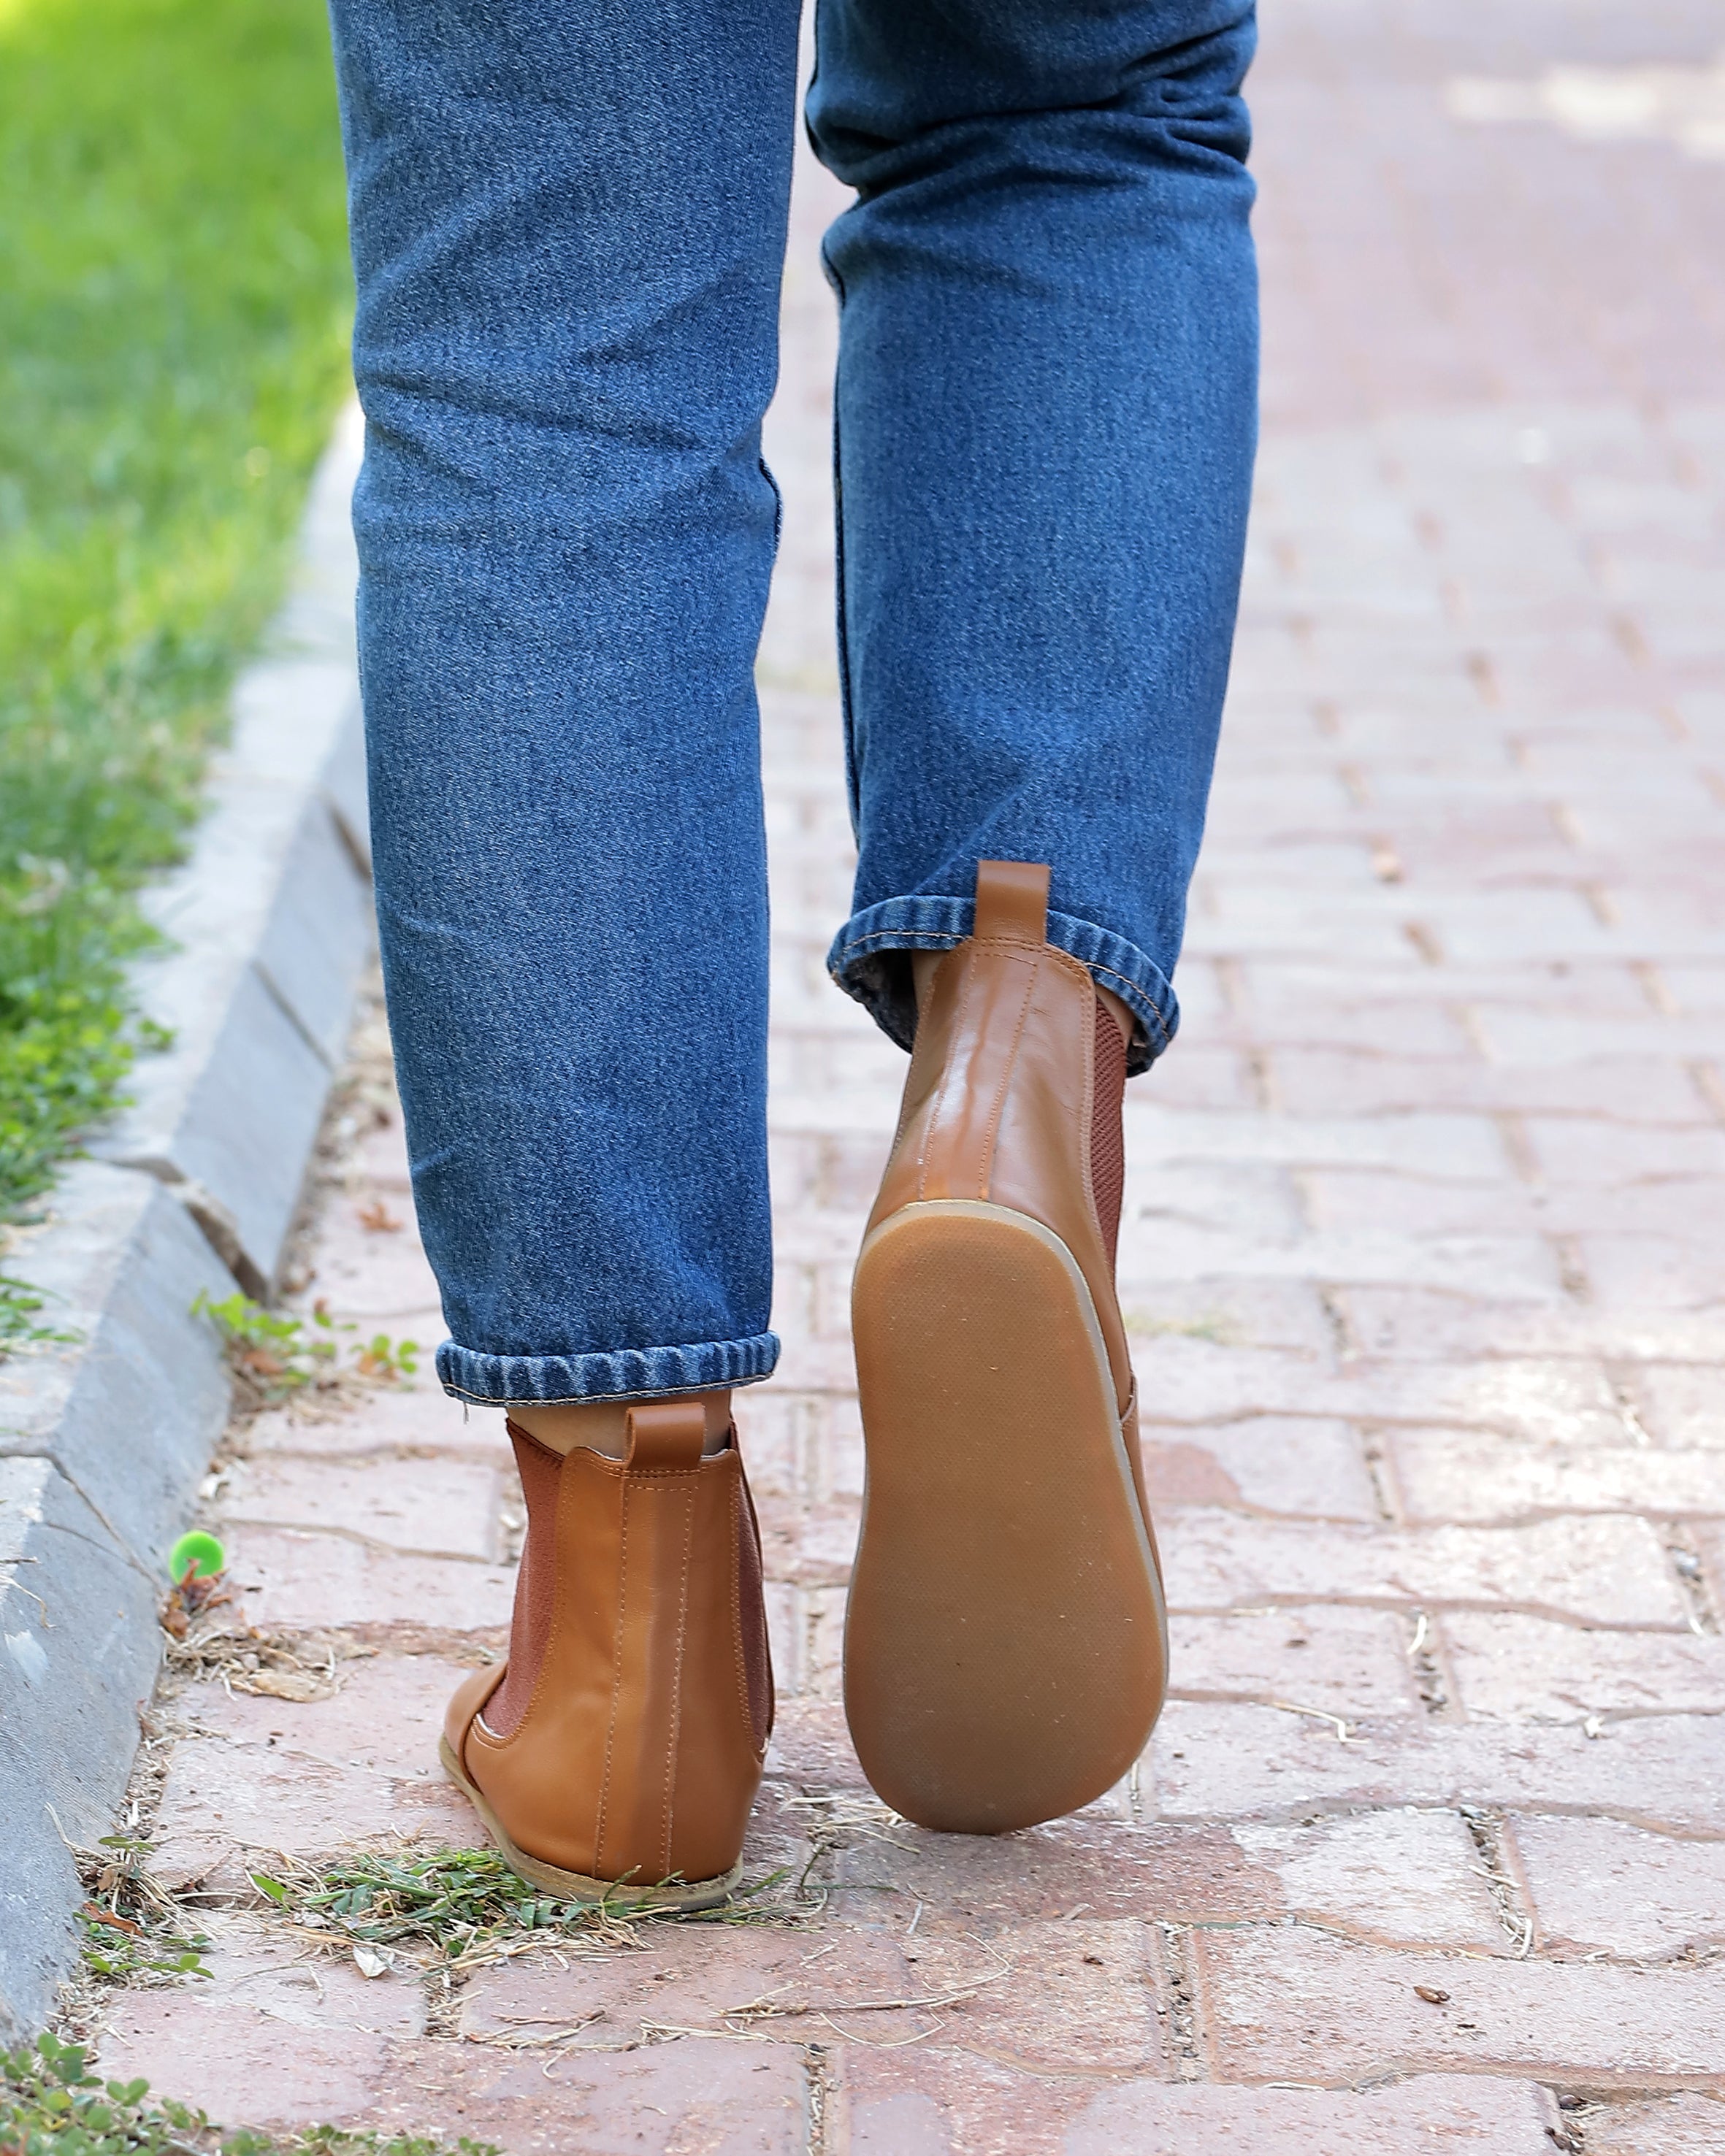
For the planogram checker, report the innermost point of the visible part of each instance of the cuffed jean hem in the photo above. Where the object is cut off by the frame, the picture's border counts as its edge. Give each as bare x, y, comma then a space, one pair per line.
629, 1373
856, 962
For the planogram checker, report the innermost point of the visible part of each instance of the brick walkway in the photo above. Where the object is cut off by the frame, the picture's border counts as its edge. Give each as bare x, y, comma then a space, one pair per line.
1423, 1259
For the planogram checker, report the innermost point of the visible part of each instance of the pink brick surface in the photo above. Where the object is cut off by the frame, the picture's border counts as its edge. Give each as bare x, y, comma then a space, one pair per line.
1610, 1567
1599, 1886
1210, 1761
1463, 2117
431, 1507
1512, 1668
237, 2061
1302, 2006
1666, 2126
1347, 1661
1461, 1475
1421, 1263
299, 1578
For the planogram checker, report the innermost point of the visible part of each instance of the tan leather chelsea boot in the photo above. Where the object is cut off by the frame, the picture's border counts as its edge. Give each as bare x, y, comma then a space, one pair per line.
1006, 1645
617, 1751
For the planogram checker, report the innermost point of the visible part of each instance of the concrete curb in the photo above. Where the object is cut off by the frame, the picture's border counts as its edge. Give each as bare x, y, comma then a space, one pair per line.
191, 1189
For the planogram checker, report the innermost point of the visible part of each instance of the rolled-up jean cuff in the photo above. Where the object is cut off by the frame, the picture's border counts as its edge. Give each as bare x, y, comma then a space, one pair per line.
936, 924
626, 1373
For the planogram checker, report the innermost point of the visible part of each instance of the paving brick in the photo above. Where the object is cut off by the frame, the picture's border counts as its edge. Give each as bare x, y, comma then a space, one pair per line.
1286, 1315
734, 2099
1462, 2115
1209, 1761
941, 2103
775, 1430
378, 1162
385, 1419
1075, 1997
291, 1579
1652, 1272
1681, 1404
1673, 1210
1192, 1376
812, 1753
382, 1281
1467, 1474
717, 1981
1599, 1886
1630, 1090
1346, 1661
1709, 1540
1308, 1466
1610, 1570
1513, 1668
437, 1507
1399, 1875
1518, 1267
1464, 1146
1414, 1324
1253, 1199
380, 1717
253, 1962
1584, 1150
1305, 2006
246, 2065
309, 1776
1090, 1867
1663, 2126
1350, 1199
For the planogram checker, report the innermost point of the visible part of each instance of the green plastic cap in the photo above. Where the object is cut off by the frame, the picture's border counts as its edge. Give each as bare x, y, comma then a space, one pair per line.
196, 1556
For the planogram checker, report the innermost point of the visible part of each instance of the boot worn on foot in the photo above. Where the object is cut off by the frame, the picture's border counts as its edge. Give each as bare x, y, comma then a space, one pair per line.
615, 1754
1005, 1647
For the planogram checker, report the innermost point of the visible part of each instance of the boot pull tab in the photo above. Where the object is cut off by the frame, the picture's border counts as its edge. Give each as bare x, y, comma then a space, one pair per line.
1012, 902
666, 1434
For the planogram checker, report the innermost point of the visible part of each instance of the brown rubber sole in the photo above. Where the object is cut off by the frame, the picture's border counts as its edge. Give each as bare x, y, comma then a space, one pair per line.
616, 1894
1006, 1642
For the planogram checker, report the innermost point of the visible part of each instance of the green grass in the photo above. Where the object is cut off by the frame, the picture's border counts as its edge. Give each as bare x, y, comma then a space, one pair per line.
465, 1904
174, 310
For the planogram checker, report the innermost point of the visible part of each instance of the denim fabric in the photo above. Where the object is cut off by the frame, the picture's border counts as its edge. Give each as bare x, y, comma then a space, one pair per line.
567, 229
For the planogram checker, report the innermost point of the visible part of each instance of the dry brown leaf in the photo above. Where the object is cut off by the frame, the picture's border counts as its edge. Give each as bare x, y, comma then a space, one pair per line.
282, 1684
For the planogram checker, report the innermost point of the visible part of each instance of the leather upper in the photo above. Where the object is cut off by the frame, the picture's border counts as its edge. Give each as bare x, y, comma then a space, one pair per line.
999, 1101
642, 1744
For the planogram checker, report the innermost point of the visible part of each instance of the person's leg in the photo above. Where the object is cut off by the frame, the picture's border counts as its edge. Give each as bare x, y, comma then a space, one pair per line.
1046, 421
567, 226
567, 229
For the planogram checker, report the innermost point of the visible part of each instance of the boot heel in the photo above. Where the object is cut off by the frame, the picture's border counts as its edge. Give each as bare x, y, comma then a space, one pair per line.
1006, 1639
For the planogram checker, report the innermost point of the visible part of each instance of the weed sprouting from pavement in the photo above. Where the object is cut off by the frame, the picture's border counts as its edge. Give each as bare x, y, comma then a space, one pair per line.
132, 1931
52, 2105
465, 1906
275, 1354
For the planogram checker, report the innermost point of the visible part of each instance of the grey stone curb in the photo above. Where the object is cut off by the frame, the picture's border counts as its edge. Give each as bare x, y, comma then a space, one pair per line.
193, 1188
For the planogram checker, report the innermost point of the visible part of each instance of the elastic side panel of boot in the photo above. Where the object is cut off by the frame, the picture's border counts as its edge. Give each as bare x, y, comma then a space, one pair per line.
752, 1604
1108, 1137
535, 1586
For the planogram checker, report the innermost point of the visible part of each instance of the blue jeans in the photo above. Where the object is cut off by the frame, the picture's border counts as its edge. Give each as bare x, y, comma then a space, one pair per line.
569, 224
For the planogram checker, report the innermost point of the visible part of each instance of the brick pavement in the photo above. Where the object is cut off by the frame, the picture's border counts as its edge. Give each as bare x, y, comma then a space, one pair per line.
1422, 1259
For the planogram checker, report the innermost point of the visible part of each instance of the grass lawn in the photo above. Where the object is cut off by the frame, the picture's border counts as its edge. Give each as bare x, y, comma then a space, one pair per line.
174, 311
